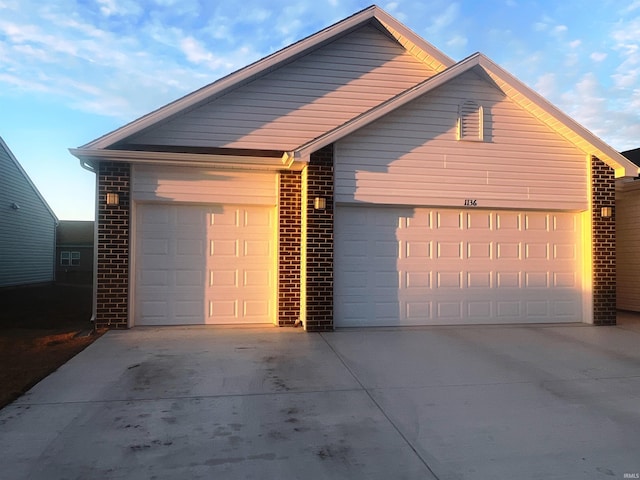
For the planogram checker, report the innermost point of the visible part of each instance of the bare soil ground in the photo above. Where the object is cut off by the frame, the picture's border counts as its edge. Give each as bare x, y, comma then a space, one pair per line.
41, 327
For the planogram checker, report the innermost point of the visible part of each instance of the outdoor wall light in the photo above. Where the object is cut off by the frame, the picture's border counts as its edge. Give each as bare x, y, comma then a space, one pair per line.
606, 212
319, 203
113, 199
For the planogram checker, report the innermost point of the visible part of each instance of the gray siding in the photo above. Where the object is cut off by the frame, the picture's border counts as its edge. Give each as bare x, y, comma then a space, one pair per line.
413, 157
298, 102
27, 235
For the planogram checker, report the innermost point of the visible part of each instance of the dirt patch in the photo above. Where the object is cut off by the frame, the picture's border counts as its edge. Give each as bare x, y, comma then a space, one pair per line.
41, 328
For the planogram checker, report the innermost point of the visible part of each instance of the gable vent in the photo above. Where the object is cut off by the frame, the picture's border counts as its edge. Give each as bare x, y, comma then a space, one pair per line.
470, 124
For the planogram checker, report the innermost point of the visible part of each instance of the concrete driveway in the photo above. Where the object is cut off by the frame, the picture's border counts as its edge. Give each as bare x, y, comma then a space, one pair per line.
531, 402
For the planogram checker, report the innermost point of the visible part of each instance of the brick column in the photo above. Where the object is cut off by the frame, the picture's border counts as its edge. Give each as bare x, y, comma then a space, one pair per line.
603, 194
289, 207
319, 281
112, 275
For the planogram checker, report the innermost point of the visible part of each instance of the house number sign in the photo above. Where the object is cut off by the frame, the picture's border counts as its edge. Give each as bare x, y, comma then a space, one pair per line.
470, 202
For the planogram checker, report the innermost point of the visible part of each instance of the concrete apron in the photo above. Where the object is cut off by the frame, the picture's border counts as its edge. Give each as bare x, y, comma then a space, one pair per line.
553, 402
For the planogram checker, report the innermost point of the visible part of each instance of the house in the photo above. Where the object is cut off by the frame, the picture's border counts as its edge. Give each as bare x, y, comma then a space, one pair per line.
358, 177
627, 239
74, 252
27, 227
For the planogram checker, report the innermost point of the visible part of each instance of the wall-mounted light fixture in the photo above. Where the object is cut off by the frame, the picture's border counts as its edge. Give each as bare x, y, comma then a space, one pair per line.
319, 203
15, 206
113, 199
606, 212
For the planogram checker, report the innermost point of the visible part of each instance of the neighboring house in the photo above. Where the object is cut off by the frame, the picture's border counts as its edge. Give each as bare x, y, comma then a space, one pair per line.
628, 239
358, 177
74, 252
27, 227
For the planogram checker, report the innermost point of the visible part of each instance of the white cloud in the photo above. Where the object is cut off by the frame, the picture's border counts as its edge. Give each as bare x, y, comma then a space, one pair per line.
194, 51
119, 7
628, 79
458, 41
546, 85
598, 56
575, 43
635, 5
445, 19
559, 29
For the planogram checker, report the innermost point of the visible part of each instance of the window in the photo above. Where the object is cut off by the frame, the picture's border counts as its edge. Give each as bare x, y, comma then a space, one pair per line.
69, 259
470, 121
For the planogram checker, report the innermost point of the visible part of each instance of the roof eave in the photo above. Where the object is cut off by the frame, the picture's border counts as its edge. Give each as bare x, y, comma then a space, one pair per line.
236, 162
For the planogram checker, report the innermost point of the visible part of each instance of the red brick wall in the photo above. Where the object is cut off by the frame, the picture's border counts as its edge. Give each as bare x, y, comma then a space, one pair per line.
289, 248
319, 301
113, 247
603, 194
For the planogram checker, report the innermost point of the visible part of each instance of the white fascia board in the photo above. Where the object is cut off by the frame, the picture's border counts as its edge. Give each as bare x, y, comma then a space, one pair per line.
236, 162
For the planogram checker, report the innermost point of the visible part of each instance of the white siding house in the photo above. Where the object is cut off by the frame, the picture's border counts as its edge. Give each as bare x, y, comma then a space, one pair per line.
27, 227
358, 177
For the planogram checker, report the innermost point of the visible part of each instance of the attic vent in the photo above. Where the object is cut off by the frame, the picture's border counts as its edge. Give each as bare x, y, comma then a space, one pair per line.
470, 124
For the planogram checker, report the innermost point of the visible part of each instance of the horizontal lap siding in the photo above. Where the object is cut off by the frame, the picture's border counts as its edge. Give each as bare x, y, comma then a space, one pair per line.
298, 102
27, 235
627, 217
412, 156
195, 185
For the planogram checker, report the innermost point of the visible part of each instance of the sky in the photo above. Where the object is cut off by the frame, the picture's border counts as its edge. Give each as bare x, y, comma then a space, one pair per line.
73, 70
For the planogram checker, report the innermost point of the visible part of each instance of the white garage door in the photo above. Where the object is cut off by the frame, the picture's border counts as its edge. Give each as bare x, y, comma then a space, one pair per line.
204, 264
412, 266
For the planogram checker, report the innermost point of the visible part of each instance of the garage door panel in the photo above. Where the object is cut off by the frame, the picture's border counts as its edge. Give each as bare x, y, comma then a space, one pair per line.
506, 280
565, 280
448, 220
454, 266
224, 248
508, 250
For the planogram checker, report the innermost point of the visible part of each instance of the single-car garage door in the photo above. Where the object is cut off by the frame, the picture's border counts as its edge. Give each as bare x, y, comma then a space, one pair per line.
419, 266
204, 264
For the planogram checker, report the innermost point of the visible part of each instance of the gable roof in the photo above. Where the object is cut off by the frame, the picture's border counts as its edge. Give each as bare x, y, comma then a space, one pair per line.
107, 147
12, 158
511, 87
373, 15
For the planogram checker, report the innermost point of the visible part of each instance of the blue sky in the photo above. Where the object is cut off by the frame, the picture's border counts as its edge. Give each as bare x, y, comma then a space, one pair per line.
73, 70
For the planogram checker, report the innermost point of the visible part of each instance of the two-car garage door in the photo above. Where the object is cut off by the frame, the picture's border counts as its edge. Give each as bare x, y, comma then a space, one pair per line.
420, 266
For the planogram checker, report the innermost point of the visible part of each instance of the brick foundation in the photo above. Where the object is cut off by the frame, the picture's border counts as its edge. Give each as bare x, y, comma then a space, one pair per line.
319, 247
289, 248
603, 194
112, 223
